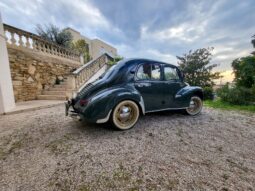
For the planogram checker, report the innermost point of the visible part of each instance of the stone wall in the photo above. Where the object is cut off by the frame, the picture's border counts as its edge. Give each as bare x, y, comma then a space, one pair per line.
32, 71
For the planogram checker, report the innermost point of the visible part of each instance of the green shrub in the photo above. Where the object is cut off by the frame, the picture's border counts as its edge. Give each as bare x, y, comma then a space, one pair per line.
236, 95
208, 93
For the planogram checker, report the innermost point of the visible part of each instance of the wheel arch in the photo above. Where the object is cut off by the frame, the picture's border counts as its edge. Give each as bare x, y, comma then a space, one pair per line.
137, 98
199, 94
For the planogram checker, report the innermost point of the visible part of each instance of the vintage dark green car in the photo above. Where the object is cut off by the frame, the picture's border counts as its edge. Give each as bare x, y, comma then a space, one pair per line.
134, 87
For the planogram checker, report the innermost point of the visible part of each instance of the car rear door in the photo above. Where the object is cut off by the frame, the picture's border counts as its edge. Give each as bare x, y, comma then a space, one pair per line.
150, 84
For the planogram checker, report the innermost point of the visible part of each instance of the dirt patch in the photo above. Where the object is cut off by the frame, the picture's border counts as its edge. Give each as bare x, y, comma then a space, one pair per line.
44, 150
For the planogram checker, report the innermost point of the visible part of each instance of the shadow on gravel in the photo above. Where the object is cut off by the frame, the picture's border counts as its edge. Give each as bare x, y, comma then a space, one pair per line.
90, 128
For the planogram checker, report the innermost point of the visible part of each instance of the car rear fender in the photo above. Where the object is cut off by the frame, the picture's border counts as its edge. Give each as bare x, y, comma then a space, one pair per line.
101, 104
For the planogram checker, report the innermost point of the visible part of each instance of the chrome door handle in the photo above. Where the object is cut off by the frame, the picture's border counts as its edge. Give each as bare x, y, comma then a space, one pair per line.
143, 84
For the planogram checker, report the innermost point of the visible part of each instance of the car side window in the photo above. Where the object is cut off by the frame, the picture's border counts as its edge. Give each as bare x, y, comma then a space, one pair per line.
171, 73
148, 71
155, 71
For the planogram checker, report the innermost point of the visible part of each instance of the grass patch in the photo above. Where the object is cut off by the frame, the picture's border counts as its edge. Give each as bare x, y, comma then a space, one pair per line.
227, 106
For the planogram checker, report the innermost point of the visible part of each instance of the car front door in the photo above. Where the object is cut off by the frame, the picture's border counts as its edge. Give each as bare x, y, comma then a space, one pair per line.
173, 84
149, 82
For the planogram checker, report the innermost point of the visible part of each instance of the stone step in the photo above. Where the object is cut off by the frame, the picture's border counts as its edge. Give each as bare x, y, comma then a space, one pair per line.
57, 89
60, 85
51, 97
51, 92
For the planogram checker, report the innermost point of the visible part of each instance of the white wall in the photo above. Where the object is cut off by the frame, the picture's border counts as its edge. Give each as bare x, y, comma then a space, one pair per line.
7, 101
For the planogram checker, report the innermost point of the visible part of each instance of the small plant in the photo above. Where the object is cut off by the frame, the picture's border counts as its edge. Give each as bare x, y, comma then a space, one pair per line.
57, 81
115, 60
236, 95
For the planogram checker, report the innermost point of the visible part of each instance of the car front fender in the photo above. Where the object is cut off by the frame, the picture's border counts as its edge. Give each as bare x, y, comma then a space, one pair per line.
183, 96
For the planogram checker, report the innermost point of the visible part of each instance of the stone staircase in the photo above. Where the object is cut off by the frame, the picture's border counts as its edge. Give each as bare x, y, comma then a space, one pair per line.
77, 79
57, 92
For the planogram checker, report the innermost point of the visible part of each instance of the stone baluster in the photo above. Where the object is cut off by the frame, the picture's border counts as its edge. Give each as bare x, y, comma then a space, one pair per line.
47, 50
39, 46
20, 40
82, 76
27, 42
36, 45
78, 80
44, 47
50, 49
13, 40
55, 51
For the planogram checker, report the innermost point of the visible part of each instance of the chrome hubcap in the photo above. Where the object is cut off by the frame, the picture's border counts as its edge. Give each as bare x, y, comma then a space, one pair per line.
124, 112
195, 106
192, 104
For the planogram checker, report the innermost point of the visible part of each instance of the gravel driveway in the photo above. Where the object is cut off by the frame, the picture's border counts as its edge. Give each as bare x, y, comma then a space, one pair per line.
44, 150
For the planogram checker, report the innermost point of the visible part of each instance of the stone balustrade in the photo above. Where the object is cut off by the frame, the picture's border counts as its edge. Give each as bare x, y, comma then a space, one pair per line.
19, 38
79, 77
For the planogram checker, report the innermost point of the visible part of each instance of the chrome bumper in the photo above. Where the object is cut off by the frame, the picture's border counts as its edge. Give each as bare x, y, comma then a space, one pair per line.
71, 113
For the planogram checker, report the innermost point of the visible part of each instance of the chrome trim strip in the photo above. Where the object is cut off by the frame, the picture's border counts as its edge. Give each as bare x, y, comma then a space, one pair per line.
166, 109
104, 120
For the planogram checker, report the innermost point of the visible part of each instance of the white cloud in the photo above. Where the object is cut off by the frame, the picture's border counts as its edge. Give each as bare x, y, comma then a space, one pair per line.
88, 13
184, 32
154, 54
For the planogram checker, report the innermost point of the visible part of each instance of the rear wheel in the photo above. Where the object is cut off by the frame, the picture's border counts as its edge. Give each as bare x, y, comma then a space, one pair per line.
125, 115
195, 106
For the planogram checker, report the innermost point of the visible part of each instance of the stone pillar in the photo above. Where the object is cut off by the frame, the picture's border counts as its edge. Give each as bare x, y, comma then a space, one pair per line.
7, 101
81, 59
71, 86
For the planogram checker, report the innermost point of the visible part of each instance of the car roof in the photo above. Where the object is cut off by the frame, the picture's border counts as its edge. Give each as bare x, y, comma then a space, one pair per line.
139, 60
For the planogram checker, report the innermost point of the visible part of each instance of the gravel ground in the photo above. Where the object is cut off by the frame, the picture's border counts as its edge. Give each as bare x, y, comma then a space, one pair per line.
44, 150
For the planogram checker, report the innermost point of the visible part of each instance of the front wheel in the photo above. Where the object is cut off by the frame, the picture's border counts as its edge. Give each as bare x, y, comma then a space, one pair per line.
125, 115
195, 106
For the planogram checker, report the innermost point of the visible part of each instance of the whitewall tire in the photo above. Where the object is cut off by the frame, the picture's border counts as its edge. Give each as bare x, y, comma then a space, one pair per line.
195, 106
125, 115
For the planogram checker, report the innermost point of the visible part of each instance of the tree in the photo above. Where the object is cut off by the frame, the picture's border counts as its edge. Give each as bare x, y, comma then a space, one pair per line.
54, 34
244, 70
83, 48
197, 68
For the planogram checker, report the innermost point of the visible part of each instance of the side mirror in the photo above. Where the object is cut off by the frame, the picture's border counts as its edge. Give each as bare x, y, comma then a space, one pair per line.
183, 75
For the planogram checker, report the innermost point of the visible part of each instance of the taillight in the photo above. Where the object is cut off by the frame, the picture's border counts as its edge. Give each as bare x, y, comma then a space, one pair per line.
84, 102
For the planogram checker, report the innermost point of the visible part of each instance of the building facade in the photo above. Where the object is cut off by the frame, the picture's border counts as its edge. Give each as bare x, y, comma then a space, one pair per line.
96, 47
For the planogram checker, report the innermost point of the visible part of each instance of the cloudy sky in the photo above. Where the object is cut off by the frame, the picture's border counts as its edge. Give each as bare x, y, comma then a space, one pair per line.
158, 29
